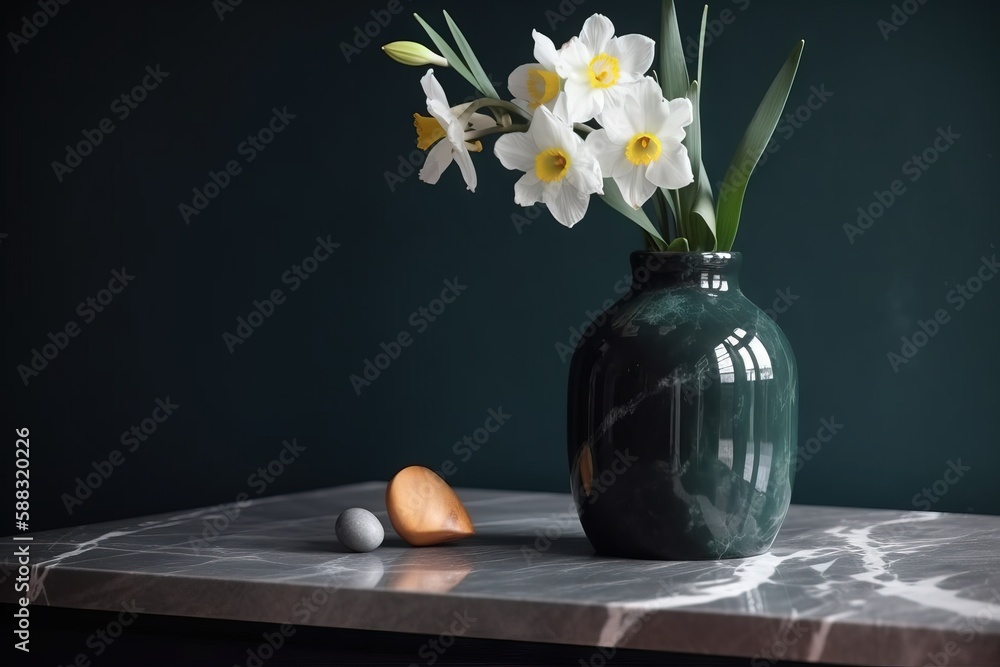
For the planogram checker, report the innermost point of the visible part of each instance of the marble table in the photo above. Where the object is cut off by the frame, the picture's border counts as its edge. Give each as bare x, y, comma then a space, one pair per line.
848, 586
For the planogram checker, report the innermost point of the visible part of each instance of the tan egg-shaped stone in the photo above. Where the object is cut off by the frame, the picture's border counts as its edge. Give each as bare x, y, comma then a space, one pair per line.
424, 510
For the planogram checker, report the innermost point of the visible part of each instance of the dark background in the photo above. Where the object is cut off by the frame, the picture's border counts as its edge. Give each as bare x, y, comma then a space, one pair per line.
325, 175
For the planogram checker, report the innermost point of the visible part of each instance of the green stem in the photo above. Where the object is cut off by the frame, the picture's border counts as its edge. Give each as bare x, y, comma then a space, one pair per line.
493, 104
495, 130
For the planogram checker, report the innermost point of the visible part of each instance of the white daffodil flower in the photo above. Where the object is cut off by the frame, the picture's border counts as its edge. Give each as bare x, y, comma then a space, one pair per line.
559, 170
536, 84
599, 67
444, 123
640, 146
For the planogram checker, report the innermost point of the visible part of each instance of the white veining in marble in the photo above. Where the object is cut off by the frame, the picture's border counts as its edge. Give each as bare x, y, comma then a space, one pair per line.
852, 586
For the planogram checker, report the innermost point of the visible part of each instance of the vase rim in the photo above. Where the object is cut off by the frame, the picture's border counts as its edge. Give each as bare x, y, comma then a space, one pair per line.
689, 263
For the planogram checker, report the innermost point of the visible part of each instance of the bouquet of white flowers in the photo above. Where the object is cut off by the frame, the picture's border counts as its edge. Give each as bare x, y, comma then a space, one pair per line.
586, 119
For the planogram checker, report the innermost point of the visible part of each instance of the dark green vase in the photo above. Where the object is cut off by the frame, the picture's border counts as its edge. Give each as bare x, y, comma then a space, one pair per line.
683, 414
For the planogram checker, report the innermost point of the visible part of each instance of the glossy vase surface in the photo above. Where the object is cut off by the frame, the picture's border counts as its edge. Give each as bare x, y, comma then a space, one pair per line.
682, 416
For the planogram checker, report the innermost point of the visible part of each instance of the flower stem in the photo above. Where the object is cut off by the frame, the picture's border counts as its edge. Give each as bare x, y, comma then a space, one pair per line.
493, 104
472, 136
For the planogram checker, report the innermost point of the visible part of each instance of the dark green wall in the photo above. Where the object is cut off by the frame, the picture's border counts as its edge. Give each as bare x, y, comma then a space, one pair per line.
495, 347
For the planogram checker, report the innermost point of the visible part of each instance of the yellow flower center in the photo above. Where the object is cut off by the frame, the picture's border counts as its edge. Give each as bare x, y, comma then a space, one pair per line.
428, 131
643, 149
604, 71
551, 165
543, 86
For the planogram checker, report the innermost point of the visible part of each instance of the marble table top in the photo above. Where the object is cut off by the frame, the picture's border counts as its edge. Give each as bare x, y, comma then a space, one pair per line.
850, 586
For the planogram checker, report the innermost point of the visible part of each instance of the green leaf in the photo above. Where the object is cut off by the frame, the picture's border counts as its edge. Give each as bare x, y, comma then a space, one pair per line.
751, 147
449, 53
673, 67
485, 85
613, 197
679, 244
703, 222
701, 40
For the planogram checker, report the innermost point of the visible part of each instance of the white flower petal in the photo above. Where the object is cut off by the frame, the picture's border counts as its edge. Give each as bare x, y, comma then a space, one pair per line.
437, 161
517, 82
481, 121
635, 187
548, 131
433, 89
680, 113
582, 101
545, 51
597, 33
574, 61
516, 151
468, 169
441, 112
566, 204
528, 190
618, 118
672, 170
634, 53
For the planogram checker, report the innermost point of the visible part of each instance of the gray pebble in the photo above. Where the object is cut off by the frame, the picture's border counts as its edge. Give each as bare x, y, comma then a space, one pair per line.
359, 530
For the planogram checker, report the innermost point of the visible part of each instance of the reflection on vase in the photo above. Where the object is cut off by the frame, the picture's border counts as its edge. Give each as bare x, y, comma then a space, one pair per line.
682, 416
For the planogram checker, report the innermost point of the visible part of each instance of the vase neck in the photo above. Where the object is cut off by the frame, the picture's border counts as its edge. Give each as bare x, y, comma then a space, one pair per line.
709, 271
